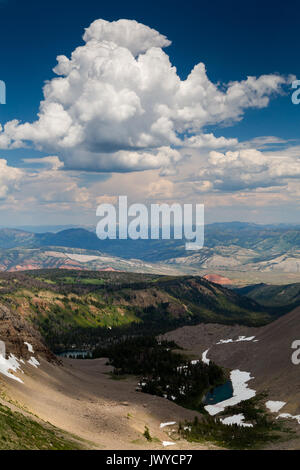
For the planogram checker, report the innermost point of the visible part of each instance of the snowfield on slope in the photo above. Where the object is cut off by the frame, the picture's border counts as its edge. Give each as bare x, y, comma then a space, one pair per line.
241, 392
13, 364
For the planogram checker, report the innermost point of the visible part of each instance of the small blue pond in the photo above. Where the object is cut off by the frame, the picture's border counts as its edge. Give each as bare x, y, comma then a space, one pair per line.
218, 394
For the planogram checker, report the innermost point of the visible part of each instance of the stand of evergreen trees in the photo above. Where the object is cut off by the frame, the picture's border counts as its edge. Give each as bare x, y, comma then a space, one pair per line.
265, 428
162, 371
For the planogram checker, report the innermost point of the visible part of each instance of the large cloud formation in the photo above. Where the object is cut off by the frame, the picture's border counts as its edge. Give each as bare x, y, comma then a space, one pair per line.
119, 105
247, 170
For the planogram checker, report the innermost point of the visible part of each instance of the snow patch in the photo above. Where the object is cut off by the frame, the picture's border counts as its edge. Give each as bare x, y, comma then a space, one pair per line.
288, 415
170, 423
29, 347
241, 392
168, 443
12, 364
244, 338
205, 358
7, 366
275, 406
240, 338
34, 362
236, 419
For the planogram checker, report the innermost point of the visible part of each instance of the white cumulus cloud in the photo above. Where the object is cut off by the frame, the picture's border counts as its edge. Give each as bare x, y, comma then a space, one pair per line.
118, 104
9, 178
248, 169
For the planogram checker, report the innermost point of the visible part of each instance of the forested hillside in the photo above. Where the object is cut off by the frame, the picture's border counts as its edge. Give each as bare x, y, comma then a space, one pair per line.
80, 307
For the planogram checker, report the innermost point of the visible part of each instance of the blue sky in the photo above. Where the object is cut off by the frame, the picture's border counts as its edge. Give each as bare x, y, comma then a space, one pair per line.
232, 39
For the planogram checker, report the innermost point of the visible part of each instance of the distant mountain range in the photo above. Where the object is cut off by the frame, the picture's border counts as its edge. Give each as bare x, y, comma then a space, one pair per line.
232, 246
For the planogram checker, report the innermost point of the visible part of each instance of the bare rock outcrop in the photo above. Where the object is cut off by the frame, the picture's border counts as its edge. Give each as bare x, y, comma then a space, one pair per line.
16, 331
